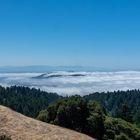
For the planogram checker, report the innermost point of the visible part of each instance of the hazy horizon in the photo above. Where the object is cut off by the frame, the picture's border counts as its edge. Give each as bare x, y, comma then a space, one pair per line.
49, 68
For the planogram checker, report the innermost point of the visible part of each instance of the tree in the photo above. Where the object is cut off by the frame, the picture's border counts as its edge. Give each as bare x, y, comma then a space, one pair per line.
77, 114
137, 118
96, 120
125, 113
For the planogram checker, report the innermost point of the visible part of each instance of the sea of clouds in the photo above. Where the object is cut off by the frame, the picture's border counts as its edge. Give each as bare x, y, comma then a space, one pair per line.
69, 83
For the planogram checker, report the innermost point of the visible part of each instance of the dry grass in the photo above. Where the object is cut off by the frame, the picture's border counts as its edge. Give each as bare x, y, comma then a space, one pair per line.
20, 127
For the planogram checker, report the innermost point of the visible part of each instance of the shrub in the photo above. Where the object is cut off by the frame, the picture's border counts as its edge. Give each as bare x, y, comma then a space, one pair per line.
4, 137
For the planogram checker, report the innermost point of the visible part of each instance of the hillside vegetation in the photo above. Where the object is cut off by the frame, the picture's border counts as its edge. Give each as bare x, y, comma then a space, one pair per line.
112, 115
25, 100
120, 104
19, 127
90, 118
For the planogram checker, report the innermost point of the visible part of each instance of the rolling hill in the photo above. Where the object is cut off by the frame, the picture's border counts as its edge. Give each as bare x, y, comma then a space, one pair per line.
20, 127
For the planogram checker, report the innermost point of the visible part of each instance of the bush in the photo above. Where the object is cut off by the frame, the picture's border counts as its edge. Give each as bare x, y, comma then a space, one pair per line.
123, 130
4, 137
122, 136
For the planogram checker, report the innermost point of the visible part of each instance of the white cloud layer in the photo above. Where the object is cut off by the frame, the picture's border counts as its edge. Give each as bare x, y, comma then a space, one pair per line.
69, 83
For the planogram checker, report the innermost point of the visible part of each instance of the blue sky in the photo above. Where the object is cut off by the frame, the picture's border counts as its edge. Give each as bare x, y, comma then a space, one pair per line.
99, 33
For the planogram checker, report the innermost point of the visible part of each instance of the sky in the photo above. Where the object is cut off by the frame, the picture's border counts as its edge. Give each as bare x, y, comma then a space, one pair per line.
98, 33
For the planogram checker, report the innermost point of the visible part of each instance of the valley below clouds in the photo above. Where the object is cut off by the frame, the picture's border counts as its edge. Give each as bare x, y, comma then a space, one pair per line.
70, 83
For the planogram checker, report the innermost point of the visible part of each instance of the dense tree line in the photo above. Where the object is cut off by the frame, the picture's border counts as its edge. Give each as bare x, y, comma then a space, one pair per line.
120, 104
90, 118
25, 100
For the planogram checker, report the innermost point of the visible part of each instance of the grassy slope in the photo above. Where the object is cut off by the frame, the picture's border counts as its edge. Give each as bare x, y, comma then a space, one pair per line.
20, 127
